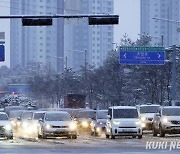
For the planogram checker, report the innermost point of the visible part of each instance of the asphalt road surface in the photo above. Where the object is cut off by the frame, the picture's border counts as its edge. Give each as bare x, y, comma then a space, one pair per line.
90, 144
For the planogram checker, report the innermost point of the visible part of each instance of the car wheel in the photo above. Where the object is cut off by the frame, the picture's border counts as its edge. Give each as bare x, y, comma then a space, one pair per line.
112, 137
161, 131
154, 131
107, 136
74, 136
133, 136
139, 136
9, 137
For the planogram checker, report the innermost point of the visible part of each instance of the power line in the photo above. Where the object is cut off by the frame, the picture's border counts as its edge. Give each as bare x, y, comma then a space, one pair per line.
38, 6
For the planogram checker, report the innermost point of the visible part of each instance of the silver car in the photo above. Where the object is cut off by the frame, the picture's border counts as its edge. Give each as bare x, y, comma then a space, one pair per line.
57, 124
166, 121
5, 126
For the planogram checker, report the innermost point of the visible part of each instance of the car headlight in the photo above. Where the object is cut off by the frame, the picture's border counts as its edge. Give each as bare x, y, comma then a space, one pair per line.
73, 126
13, 123
7, 127
140, 124
48, 126
165, 120
85, 124
116, 122
143, 119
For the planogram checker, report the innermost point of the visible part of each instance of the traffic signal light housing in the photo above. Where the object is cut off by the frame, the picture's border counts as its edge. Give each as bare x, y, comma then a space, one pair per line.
103, 20
36, 22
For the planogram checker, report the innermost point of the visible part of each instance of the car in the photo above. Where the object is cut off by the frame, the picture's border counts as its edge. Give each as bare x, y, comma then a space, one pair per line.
123, 121
166, 121
5, 126
57, 124
14, 117
147, 112
84, 118
98, 124
30, 123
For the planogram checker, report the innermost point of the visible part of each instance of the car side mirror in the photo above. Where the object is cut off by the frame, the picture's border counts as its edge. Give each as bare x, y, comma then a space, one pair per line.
109, 117
75, 119
158, 114
40, 120
18, 118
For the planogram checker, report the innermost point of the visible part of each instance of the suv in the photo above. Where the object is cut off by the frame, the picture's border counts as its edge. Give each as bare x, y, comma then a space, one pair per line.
99, 122
167, 120
123, 121
147, 112
57, 124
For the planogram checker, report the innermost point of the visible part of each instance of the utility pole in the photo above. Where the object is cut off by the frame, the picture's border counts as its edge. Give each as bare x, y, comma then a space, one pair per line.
173, 81
85, 65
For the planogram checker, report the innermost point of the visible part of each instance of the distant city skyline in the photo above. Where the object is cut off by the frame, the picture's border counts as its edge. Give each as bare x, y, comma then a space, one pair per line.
128, 11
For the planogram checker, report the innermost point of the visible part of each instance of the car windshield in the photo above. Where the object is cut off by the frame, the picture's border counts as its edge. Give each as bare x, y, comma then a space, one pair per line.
102, 114
3, 117
125, 113
38, 116
148, 109
57, 117
171, 111
87, 114
15, 114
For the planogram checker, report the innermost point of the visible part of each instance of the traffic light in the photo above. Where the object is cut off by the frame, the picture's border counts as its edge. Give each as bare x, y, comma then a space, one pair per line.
103, 20
36, 22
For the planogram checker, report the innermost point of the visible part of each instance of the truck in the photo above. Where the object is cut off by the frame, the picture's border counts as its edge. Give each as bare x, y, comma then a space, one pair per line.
74, 101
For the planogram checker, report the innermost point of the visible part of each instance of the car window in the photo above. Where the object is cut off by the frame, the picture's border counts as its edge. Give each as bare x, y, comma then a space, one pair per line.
38, 116
125, 113
3, 117
149, 109
57, 117
87, 114
101, 114
110, 112
27, 115
171, 111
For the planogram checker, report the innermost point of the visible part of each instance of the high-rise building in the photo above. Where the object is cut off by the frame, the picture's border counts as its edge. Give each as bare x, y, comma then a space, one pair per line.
43, 44
82, 39
162, 32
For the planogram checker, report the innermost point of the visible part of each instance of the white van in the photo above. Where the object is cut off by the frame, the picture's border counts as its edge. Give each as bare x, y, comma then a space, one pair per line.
123, 121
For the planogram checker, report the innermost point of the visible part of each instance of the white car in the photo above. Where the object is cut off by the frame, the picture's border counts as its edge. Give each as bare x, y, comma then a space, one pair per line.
147, 112
5, 126
57, 124
167, 121
123, 121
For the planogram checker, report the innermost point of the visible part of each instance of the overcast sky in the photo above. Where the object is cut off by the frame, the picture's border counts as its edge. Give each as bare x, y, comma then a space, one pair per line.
128, 11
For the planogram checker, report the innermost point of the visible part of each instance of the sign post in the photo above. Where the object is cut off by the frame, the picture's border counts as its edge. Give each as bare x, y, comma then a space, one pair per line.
142, 55
2, 55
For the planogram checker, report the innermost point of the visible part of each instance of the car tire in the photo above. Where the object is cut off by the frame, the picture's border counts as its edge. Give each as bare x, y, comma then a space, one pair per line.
133, 136
107, 136
161, 131
139, 136
154, 131
74, 137
112, 136
9, 137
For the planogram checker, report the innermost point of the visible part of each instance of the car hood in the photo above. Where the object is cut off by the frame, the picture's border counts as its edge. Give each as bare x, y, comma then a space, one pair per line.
174, 118
147, 115
4, 122
127, 122
58, 123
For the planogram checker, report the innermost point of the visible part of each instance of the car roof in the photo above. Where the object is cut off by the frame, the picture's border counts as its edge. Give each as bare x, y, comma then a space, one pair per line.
149, 105
171, 107
123, 107
50, 112
3, 113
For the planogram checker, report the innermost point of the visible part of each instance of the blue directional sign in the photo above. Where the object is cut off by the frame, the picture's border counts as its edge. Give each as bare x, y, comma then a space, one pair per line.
142, 55
2, 55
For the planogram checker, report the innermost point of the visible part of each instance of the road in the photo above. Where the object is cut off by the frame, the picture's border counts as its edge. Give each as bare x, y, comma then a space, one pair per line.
89, 144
